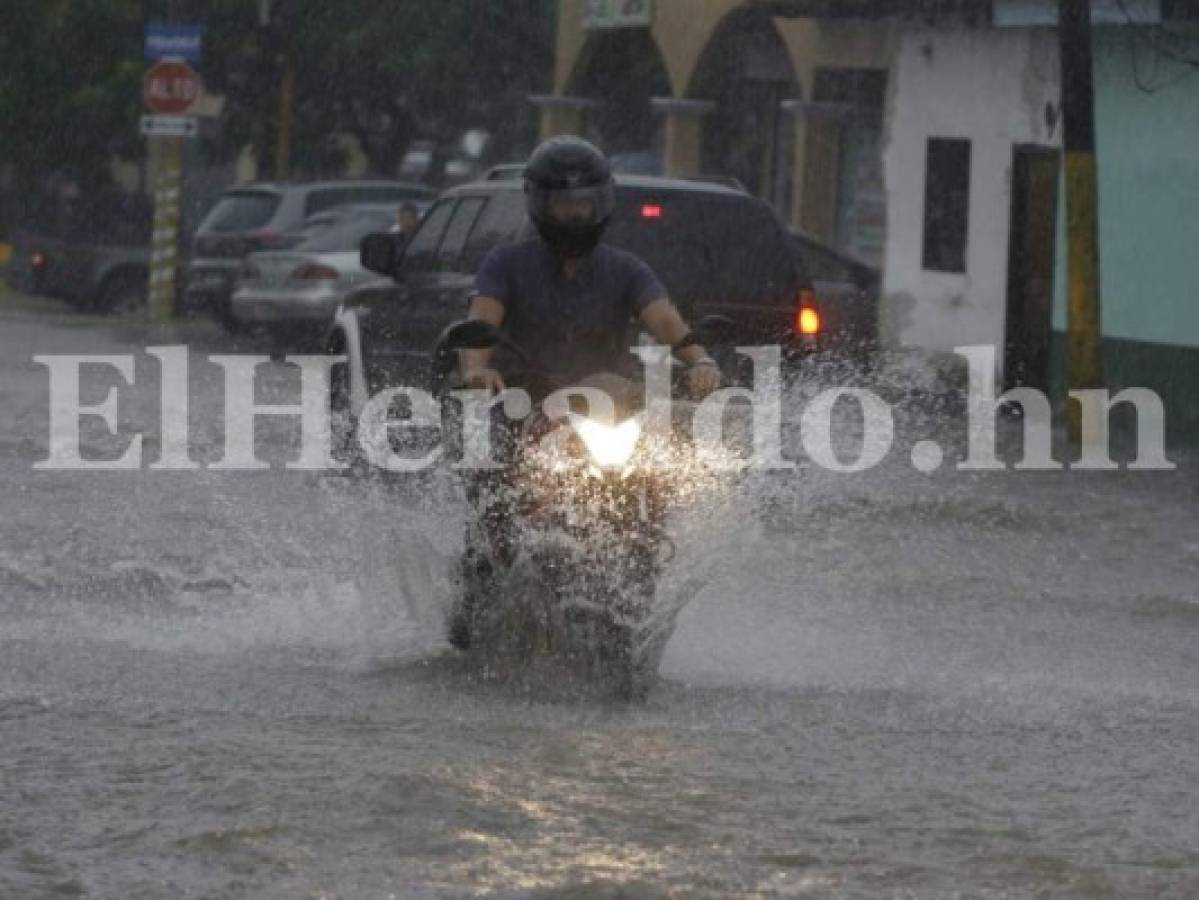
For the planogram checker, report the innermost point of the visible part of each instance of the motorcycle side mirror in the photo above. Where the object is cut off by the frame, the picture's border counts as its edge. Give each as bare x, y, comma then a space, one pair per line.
716, 330
381, 252
468, 334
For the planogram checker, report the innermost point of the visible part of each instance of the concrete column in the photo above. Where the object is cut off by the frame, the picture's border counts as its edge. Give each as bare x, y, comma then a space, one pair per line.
683, 132
561, 114
817, 164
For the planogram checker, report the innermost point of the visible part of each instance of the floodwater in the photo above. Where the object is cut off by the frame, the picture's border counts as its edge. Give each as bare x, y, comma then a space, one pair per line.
890, 684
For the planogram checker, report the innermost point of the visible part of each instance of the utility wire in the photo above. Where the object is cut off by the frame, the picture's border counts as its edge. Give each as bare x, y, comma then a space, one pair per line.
1159, 38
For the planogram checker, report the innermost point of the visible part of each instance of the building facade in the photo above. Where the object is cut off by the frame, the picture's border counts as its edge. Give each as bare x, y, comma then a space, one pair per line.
925, 138
976, 212
792, 107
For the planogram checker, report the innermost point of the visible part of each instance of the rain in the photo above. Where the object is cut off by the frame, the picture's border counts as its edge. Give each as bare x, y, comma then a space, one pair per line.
903, 604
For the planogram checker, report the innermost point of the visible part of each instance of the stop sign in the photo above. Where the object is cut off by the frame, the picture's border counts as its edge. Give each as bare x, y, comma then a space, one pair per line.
171, 87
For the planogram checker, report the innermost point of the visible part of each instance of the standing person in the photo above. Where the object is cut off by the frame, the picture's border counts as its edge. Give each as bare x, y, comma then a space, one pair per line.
407, 218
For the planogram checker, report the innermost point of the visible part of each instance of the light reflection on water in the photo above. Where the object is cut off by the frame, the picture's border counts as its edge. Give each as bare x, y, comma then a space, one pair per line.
882, 684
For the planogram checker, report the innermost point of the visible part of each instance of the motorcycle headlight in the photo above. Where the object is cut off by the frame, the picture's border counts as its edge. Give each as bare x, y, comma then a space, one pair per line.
610, 447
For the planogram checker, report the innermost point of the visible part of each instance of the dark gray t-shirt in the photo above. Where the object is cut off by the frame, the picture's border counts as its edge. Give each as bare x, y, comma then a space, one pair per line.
569, 327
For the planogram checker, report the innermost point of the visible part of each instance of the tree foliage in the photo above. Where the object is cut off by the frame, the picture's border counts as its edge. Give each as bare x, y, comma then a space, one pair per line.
70, 85
385, 71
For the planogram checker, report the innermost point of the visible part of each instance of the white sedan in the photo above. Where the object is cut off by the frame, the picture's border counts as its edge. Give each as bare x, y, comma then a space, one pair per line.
294, 293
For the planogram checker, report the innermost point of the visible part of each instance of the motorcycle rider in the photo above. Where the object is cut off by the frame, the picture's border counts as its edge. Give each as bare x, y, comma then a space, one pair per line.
566, 300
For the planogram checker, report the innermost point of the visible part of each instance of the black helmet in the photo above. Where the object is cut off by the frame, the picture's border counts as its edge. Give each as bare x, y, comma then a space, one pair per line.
569, 194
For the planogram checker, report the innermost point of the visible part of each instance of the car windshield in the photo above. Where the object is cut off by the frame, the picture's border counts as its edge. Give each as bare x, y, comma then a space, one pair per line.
346, 236
242, 211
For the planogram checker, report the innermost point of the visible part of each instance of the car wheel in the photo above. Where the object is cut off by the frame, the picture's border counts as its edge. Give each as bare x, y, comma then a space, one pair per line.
124, 295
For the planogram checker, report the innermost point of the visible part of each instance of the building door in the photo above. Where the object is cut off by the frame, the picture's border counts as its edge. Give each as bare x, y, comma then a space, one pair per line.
1031, 255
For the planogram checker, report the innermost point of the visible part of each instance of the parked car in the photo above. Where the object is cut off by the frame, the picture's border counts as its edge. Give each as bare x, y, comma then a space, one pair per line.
718, 251
257, 217
847, 294
292, 294
92, 249
323, 221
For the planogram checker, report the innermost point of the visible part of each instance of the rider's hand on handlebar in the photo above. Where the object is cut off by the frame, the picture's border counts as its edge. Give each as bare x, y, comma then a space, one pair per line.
702, 380
484, 380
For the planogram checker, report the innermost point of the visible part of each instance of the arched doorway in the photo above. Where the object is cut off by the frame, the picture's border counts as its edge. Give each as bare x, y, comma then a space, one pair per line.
622, 69
747, 71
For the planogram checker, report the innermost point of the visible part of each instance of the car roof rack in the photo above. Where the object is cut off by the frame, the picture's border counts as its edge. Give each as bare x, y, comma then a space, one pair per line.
505, 172
727, 181
513, 171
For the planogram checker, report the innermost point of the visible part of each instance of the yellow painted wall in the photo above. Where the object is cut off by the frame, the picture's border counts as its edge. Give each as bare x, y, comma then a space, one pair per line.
682, 30
801, 37
571, 39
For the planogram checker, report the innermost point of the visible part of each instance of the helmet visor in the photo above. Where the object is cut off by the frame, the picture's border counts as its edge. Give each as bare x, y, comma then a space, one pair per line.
577, 207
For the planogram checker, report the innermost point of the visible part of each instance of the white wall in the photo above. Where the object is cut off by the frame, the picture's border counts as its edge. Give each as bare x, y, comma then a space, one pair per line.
990, 86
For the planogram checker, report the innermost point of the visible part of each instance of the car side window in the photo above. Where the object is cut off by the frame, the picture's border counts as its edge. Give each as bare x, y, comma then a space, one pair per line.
421, 253
500, 220
323, 199
823, 266
460, 225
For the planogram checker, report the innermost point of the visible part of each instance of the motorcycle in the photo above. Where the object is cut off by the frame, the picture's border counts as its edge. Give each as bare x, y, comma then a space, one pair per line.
568, 541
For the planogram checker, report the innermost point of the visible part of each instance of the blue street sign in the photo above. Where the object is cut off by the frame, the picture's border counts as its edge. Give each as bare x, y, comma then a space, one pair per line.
165, 39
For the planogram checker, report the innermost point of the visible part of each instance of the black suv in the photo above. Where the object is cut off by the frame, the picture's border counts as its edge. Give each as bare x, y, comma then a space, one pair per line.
717, 250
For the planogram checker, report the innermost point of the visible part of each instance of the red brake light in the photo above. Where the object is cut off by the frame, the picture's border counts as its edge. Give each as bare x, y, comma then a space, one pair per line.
807, 317
651, 211
266, 238
314, 272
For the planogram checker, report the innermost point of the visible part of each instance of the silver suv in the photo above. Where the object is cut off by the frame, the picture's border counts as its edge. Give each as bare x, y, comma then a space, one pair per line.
258, 217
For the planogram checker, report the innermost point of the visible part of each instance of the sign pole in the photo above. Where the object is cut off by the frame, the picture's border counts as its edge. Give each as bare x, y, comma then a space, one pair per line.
1084, 362
165, 242
170, 87
286, 98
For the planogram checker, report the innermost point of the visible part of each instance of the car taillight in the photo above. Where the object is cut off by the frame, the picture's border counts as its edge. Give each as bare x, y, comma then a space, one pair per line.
807, 316
651, 211
37, 260
314, 272
266, 239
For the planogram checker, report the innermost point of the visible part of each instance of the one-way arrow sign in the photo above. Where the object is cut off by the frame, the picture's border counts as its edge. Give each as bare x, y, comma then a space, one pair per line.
169, 126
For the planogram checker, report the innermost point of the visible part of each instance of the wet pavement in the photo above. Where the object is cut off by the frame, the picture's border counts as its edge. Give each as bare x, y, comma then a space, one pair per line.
885, 684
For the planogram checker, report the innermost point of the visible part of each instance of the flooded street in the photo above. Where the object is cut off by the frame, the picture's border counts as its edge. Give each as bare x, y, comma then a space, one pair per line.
889, 684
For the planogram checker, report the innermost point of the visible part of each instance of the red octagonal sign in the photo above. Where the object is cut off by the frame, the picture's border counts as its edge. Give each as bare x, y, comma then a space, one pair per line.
171, 87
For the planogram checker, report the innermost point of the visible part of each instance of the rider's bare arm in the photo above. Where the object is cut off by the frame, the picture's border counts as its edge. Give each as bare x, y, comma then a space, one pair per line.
664, 323
476, 364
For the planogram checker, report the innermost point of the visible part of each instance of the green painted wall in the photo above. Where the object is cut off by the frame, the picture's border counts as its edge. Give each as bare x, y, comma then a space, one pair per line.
1148, 149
